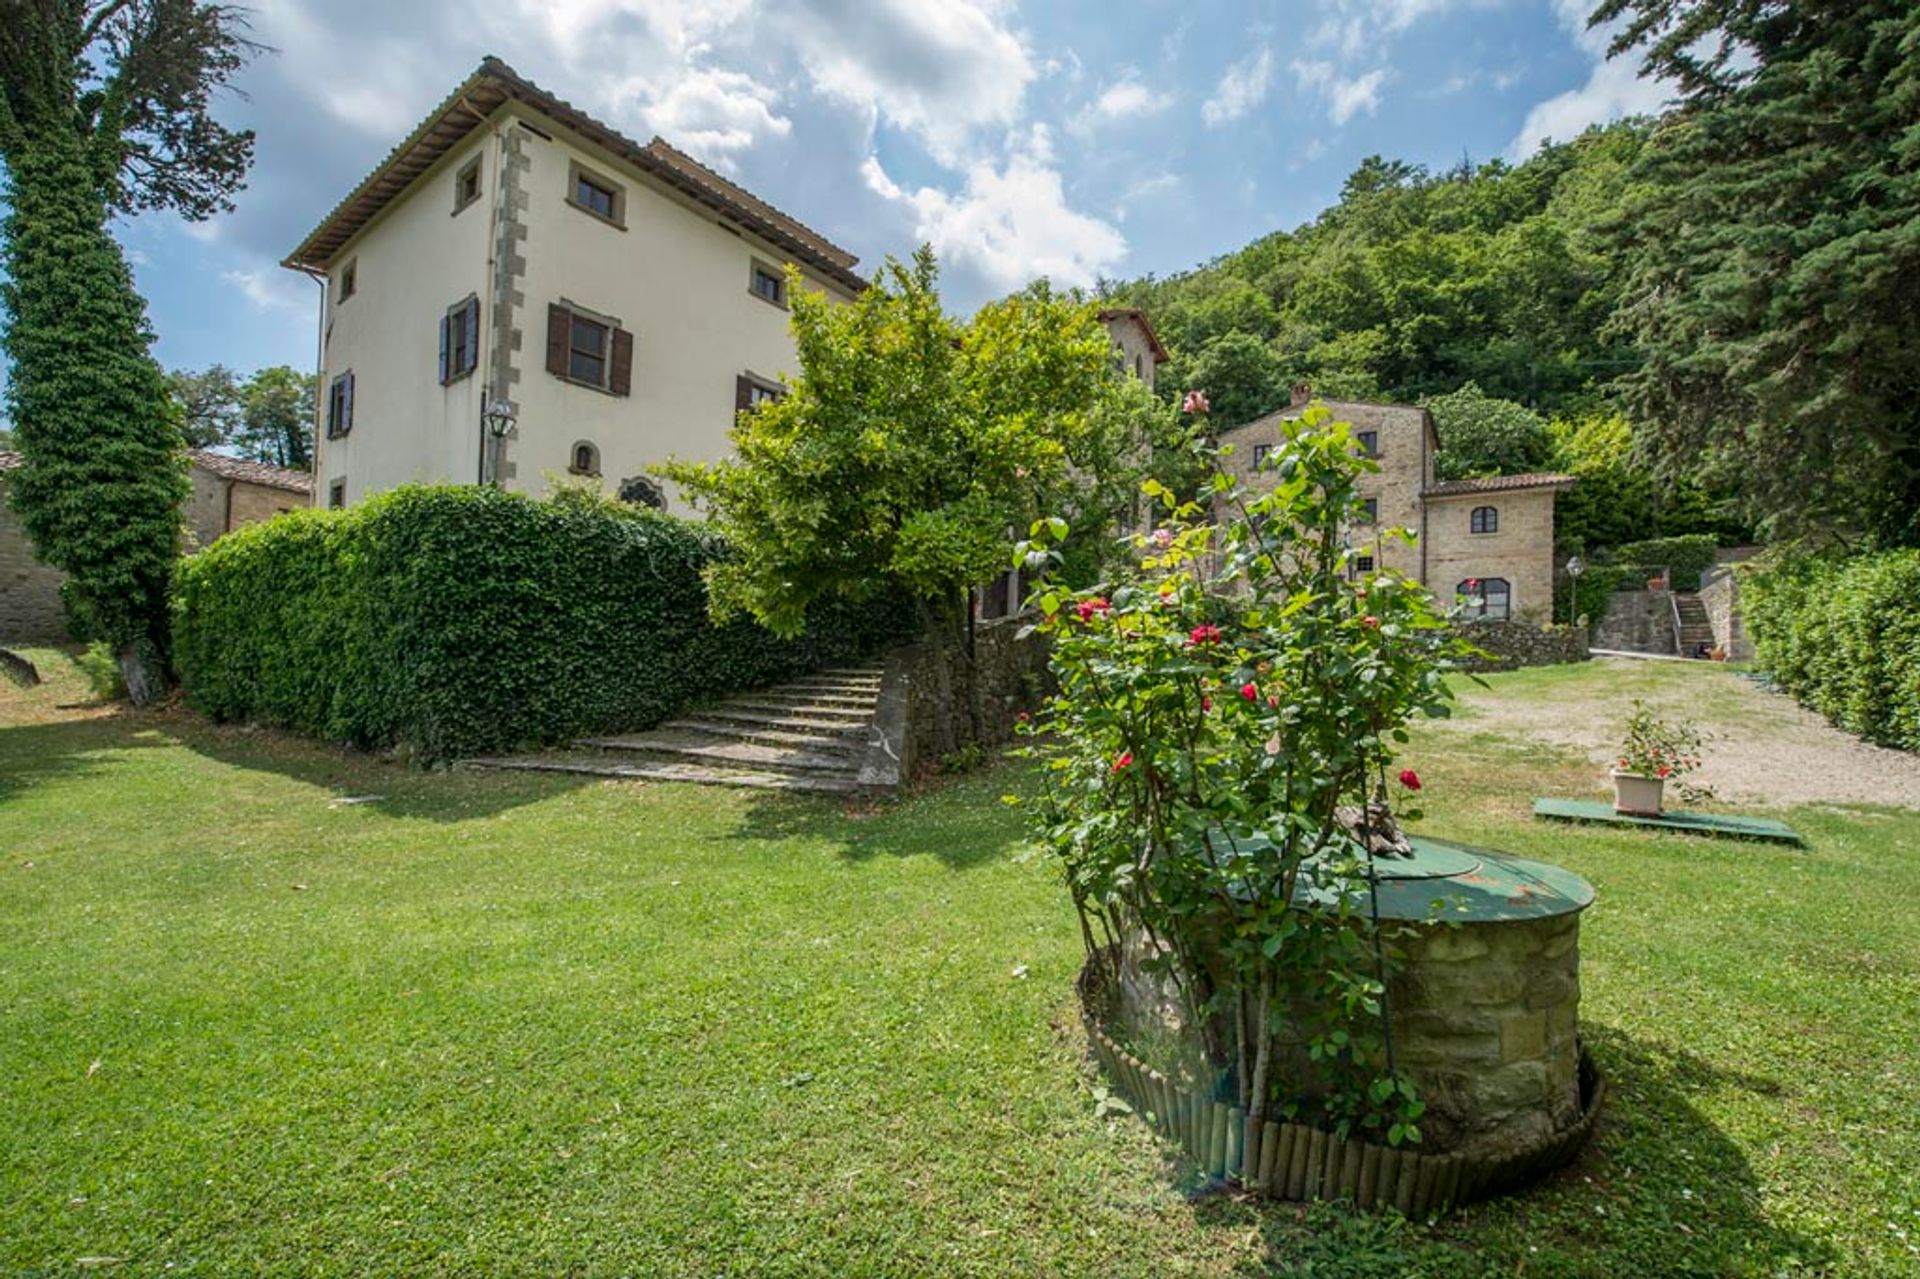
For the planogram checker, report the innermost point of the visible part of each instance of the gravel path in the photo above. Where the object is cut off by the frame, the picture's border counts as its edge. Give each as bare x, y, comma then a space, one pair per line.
1763, 747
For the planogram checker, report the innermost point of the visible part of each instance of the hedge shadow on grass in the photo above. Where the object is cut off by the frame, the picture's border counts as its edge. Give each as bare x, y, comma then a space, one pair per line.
1660, 1190
32, 755
965, 835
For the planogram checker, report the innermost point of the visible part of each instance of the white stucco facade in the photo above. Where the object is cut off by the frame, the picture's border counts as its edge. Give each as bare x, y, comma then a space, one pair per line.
673, 270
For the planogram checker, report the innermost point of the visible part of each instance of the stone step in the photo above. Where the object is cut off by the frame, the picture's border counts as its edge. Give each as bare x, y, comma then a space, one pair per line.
789, 714
861, 702
815, 736
639, 769
670, 744
682, 731
826, 688
791, 723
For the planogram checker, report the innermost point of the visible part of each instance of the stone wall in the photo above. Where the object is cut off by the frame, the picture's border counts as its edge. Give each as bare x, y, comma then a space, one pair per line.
1485, 1019
1511, 645
1720, 593
30, 608
917, 679
1636, 622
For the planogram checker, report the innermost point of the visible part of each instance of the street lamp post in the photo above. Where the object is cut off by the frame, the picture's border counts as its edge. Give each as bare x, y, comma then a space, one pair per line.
499, 419
1575, 567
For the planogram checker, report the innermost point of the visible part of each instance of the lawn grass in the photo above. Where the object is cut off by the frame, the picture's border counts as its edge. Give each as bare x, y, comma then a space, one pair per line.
486, 1023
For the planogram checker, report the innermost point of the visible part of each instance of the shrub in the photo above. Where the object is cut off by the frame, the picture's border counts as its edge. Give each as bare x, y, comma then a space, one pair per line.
455, 621
1842, 636
1688, 556
102, 672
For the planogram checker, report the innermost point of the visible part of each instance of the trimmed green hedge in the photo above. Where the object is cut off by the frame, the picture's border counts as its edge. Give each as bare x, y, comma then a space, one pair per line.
1687, 556
458, 621
1843, 636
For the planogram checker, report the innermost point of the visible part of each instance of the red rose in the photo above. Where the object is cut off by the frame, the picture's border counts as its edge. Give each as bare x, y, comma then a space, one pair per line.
1125, 758
1249, 690
1662, 771
1206, 704
1087, 608
1371, 622
1203, 635
1409, 779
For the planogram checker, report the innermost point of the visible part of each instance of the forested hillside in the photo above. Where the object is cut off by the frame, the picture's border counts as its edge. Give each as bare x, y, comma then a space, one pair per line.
1416, 283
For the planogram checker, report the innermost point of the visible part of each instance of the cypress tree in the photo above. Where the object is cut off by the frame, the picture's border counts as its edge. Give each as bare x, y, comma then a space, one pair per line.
103, 109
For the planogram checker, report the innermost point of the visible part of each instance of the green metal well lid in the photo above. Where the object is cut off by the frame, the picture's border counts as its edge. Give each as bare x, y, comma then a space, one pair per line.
1464, 884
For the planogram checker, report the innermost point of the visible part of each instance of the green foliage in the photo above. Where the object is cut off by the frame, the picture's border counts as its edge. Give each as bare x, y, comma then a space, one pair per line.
1243, 376
1613, 502
1416, 283
104, 109
267, 418
1483, 435
1772, 242
101, 670
1220, 700
1843, 636
1651, 746
104, 474
455, 621
910, 447
1686, 557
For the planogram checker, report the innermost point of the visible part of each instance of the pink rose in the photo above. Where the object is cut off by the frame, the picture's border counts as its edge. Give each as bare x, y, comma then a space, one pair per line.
1409, 779
1200, 635
1196, 402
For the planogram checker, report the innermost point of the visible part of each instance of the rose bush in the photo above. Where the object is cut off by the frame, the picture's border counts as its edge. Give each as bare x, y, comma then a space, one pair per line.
1236, 832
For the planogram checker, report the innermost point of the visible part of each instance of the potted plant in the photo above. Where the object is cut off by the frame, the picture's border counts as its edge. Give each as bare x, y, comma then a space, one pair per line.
1652, 751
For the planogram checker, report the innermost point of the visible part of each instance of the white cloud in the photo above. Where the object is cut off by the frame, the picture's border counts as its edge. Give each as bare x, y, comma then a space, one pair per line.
1614, 88
1345, 96
272, 290
1011, 222
714, 114
1127, 98
1242, 88
941, 71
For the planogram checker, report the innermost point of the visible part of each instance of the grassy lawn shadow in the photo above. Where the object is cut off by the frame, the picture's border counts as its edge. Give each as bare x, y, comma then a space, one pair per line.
98, 743
961, 820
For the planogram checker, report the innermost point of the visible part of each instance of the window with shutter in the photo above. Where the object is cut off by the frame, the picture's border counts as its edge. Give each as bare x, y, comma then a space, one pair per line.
592, 350
459, 340
340, 405
750, 390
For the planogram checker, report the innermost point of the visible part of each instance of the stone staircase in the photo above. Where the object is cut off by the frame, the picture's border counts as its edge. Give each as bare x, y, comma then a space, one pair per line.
810, 735
1695, 627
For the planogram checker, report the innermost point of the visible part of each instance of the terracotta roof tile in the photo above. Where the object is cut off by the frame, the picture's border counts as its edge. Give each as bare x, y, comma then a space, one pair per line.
235, 468
493, 84
1502, 484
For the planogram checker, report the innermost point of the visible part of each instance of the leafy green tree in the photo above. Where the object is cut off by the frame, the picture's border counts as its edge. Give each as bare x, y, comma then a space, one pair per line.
911, 451
276, 418
209, 405
1613, 502
1773, 254
104, 108
1482, 435
1242, 376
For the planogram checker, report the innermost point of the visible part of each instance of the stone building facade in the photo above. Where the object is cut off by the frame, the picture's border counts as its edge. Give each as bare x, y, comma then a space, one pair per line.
1495, 533
227, 493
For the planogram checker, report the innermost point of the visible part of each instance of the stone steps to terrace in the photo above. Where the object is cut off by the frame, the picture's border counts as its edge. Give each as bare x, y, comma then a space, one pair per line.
809, 735
1696, 628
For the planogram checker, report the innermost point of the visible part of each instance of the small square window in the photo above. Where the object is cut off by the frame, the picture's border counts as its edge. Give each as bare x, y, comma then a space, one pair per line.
751, 391
1370, 510
1369, 443
768, 284
1363, 564
349, 280
466, 184
337, 494
602, 197
1260, 454
587, 351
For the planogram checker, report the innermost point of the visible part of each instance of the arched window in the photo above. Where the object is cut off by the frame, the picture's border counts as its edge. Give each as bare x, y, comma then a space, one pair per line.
1488, 597
585, 459
1485, 519
645, 492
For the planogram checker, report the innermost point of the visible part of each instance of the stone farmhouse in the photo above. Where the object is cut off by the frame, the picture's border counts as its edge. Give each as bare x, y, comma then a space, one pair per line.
1496, 532
622, 299
227, 493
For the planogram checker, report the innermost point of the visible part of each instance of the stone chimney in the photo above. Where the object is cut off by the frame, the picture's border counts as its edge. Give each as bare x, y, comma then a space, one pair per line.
1302, 392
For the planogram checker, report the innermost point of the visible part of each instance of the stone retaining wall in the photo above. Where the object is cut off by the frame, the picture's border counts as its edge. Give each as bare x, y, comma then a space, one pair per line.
1013, 675
1636, 622
1720, 593
1511, 645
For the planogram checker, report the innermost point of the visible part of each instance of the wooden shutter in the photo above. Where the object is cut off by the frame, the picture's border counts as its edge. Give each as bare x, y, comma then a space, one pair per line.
446, 366
742, 395
471, 328
559, 330
620, 376
349, 413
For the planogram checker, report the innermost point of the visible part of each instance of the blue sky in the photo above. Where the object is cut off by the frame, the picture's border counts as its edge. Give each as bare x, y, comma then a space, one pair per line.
1064, 138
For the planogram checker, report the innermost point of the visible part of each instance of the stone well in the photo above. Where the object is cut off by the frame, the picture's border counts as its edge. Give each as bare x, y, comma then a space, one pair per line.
1483, 1003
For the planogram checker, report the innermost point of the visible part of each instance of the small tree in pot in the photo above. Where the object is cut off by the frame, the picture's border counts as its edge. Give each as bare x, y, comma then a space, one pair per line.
1652, 752
1218, 758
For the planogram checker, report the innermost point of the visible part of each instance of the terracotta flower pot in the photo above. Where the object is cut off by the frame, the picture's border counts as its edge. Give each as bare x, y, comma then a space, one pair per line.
1636, 794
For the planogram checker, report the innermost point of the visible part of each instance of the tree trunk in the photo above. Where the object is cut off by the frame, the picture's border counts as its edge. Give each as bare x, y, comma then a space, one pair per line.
143, 673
